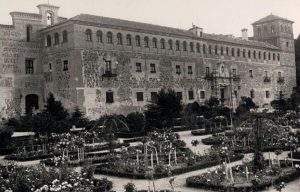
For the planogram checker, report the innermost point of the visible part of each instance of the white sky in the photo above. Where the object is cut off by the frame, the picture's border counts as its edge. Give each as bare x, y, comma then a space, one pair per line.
215, 16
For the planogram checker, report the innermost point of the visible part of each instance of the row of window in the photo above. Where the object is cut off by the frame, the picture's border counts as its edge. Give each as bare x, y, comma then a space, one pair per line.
153, 96
267, 94
163, 44
57, 38
29, 67
138, 68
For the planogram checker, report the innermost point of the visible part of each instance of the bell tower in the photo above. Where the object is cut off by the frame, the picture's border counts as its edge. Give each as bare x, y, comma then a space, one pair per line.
49, 14
275, 30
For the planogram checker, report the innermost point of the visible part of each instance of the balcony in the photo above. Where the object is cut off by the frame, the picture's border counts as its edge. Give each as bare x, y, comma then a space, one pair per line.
209, 76
267, 79
236, 78
280, 80
108, 74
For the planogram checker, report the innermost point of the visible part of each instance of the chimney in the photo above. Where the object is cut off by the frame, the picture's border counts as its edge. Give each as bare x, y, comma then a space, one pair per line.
197, 31
245, 34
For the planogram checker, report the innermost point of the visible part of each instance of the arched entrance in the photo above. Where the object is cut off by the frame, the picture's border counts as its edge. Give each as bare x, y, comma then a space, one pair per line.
31, 102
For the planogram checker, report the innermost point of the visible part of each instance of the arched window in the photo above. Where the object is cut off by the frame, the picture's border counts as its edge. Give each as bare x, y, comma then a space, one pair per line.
227, 50
238, 52
216, 49
209, 49
50, 19
269, 56
278, 57
274, 56
65, 36
128, 39
198, 47
244, 53
88, 35
120, 39
184, 46
170, 42
252, 95
109, 37
99, 36
232, 52
154, 42
249, 54
28, 32
146, 41
265, 55
191, 46
177, 45
259, 55
222, 50
48, 43
162, 44
254, 54
56, 39
138, 40
204, 49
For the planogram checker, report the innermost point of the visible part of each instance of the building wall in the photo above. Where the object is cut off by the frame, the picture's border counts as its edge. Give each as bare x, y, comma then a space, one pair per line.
84, 85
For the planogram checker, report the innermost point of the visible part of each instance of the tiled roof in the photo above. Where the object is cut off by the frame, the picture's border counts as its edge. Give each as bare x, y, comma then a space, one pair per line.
270, 18
145, 27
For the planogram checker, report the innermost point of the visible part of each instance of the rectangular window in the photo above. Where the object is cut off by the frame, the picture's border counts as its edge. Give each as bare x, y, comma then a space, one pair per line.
50, 67
202, 94
29, 68
250, 73
207, 71
234, 72
153, 96
235, 94
178, 70
179, 95
152, 68
139, 96
109, 97
191, 94
108, 67
190, 70
267, 94
138, 67
252, 94
65, 67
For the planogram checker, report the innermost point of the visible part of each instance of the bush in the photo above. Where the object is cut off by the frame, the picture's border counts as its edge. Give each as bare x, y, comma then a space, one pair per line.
102, 185
129, 187
136, 122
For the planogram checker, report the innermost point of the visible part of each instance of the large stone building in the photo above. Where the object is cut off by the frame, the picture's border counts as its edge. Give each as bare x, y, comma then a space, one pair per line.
107, 65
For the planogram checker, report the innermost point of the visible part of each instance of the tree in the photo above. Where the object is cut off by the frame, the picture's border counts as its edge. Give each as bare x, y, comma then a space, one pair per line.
280, 103
6, 132
55, 108
136, 122
78, 119
53, 119
212, 102
245, 105
161, 112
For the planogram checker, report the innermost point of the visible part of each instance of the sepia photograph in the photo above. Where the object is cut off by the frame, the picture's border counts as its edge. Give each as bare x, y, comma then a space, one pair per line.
149, 96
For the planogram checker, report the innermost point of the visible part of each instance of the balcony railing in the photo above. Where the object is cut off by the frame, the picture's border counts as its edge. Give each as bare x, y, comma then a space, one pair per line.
280, 80
109, 73
267, 79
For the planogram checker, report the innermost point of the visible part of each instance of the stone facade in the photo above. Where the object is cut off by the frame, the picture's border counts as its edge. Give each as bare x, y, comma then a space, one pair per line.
106, 65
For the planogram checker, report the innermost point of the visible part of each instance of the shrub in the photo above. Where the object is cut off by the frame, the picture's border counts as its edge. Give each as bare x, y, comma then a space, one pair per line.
102, 185
129, 187
136, 122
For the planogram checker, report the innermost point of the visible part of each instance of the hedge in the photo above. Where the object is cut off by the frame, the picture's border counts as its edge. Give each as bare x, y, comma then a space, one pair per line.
190, 182
101, 169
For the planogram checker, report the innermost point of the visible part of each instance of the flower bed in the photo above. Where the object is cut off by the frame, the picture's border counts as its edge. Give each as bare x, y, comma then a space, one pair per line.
216, 180
38, 155
104, 169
